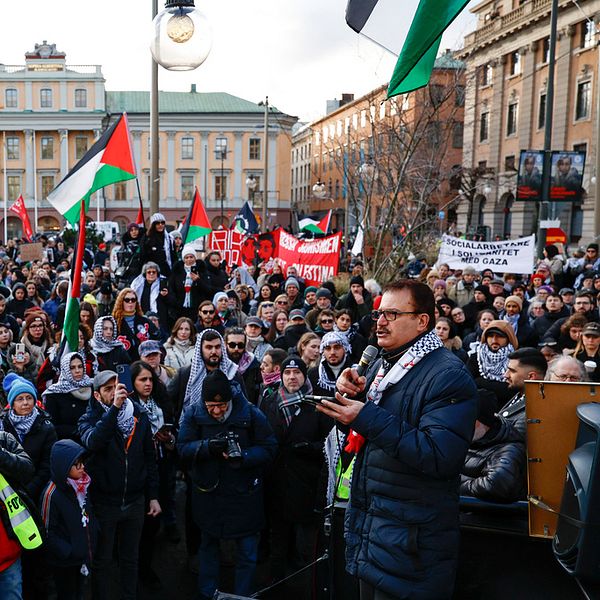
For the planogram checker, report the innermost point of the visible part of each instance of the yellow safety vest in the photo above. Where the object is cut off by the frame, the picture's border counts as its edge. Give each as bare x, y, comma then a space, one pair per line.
21, 521
343, 489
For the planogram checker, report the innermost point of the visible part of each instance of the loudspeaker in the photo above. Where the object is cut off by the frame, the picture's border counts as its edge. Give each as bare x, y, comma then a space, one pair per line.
576, 543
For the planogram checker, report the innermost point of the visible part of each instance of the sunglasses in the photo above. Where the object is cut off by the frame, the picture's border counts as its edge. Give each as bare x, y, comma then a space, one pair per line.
282, 302
326, 320
151, 272
267, 304
207, 312
130, 300
238, 345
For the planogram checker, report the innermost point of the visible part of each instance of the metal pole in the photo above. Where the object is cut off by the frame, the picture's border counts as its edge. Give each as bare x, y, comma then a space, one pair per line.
266, 184
5, 187
154, 177
35, 188
222, 187
543, 212
597, 151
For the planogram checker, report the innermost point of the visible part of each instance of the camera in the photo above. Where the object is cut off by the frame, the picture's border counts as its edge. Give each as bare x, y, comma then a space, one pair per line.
233, 451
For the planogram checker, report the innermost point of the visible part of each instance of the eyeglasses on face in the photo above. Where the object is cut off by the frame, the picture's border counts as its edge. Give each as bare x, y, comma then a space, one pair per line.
234, 345
150, 272
130, 300
207, 312
282, 302
391, 314
566, 377
267, 305
327, 321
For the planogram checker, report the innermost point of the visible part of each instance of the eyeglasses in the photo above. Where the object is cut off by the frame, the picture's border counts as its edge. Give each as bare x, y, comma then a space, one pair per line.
391, 314
567, 377
150, 272
326, 321
216, 405
36, 325
281, 302
130, 300
267, 304
207, 312
238, 345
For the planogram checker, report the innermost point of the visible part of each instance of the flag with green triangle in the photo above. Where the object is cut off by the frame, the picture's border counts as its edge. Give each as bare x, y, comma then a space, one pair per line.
108, 161
196, 223
321, 226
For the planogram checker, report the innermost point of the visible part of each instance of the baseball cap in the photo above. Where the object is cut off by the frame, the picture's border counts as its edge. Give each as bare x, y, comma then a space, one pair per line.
566, 290
103, 378
149, 347
254, 321
591, 329
296, 314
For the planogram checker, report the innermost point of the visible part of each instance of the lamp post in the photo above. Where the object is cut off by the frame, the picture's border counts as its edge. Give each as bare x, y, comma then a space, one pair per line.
181, 41
221, 154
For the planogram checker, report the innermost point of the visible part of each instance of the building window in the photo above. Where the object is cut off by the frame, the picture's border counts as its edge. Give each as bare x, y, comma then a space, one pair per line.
487, 72
254, 149
221, 146
437, 94
80, 98
10, 98
509, 163
484, 127
187, 187
588, 32
542, 112
457, 135
47, 185
515, 63
363, 118
12, 148
220, 187
120, 190
584, 97
546, 50
13, 183
187, 148
81, 146
47, 148
580, 148
459, 95
511, 120
46, 98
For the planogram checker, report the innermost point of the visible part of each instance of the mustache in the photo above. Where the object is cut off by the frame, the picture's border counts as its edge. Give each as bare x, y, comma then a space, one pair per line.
382, 331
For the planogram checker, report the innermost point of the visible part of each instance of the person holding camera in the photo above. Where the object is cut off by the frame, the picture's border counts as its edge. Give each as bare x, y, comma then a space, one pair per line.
226, 443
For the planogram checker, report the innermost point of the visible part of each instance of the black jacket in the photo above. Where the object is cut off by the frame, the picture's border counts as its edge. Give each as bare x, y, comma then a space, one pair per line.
213, 280
65, 410
542, 324
198, 293
290, 337
120, 475
153, 250
108, 361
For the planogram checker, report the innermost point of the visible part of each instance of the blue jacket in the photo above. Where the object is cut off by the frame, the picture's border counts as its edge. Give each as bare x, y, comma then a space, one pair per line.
227, 502
402, 521
121, 473
69, 542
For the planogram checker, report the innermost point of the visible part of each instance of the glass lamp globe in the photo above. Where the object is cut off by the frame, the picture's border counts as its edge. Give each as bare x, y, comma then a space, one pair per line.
181, 36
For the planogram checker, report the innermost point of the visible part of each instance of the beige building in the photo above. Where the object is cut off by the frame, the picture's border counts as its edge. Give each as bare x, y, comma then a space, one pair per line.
51, 113
507, 71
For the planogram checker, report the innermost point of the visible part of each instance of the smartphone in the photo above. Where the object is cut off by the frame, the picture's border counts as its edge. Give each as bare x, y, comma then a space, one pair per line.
194, 269
164, 284
124, 376
19, 352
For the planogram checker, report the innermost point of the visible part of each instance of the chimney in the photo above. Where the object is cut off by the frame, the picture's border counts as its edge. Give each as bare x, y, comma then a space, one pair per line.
193, 89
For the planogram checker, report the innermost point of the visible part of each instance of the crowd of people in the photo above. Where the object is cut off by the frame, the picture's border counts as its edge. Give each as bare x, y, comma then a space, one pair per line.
190, 369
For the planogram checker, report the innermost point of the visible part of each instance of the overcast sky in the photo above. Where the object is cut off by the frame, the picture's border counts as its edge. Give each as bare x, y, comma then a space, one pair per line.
298, 52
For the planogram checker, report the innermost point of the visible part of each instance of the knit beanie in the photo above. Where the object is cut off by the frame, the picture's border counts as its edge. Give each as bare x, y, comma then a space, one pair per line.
18, 385
310, 289
216, 387
516, 300
358, 280
157, 217
291, 281
188, 249
294, 362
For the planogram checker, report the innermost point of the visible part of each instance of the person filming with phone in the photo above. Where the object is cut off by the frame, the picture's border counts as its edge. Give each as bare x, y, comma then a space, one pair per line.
410, 434
124, 488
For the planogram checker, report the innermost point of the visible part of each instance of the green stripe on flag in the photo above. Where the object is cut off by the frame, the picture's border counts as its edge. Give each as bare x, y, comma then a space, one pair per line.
196, 232
71, 323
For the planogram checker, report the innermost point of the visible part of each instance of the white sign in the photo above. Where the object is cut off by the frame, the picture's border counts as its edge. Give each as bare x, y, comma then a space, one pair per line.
507, 256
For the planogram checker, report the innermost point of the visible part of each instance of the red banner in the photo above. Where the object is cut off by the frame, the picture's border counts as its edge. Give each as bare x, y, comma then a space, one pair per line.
316, 260
18, 207
229, 243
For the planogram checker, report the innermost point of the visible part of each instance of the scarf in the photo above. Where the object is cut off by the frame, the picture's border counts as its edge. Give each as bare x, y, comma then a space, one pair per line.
37, 353
187, 286
137, 285
330, 338
271, 378
390, 375
253, 342
289, 402
492, 365
245, 362
22, 424
66, 383
99, 344
125, 418
514, 321
193, 390
155, 415
80, 486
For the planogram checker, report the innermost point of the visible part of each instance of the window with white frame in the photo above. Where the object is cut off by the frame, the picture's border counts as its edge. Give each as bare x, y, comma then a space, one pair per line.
584, 100
187, 188
254, 148
511, 118
80, 98
11, 98
46, 98
13, 183
47, 185
81, 146
12, 147
187, 148
47, 145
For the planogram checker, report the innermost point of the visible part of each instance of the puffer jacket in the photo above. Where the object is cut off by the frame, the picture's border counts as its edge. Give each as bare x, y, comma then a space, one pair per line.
402, 521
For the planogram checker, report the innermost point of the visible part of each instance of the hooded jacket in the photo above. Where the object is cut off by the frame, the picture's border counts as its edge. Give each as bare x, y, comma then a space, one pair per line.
69, 542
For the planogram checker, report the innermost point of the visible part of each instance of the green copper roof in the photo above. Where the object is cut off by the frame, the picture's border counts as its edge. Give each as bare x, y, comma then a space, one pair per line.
447, 61
181, 102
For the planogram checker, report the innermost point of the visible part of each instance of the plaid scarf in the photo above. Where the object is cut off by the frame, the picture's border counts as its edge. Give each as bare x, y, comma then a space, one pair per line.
22, 423
289, 402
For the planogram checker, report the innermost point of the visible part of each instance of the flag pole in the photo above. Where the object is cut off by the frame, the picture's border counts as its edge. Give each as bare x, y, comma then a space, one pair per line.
35, 189
5, 187
141, 207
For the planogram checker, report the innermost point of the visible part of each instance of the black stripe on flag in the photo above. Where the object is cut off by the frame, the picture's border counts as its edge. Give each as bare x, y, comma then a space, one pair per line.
358, 13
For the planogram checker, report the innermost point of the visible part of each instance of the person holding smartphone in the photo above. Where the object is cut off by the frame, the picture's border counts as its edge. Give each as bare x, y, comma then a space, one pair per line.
124, 480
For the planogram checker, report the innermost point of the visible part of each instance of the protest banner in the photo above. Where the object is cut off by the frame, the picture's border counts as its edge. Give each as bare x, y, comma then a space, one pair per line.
315, 260
33, 251
229, 243
507, 256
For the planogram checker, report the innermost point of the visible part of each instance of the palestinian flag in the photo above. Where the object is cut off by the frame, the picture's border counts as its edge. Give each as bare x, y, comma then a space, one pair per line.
71, 322
196, 224
412, 28
108, 161
321, 226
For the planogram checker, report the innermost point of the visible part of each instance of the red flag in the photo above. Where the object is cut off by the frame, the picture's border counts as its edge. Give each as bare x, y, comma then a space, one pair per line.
18, 207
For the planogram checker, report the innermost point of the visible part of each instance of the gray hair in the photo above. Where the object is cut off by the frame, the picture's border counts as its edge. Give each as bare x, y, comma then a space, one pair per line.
150, 265
555, 362
372, 286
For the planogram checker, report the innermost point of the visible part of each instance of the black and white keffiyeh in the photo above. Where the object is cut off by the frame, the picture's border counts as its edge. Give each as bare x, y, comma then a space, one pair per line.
22, 423
330, 338
193, 391
492, 365
99, 344
66, 383
137, 285
125, 418
155, 415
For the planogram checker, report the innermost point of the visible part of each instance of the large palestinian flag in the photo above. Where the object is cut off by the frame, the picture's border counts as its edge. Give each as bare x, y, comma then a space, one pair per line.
196, 224
321, 226
108, 161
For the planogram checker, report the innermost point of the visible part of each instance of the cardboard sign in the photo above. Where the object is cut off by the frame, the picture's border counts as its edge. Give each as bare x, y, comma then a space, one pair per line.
29, 252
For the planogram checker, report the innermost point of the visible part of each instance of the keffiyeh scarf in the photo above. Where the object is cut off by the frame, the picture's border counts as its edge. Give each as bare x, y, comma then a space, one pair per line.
514, 322
137, 285
22, 424
187, 286
329, 339
66, 383
155, 415
492, 365
386, 377
125, 418
99, 344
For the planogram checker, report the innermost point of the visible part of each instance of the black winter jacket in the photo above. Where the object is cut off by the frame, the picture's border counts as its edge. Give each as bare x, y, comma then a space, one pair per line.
122, 470
65, 410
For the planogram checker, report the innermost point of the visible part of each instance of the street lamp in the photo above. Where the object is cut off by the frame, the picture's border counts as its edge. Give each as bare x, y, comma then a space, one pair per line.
221, 154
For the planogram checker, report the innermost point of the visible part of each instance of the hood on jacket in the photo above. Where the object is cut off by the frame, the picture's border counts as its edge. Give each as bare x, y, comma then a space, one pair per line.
506, 328
63, 456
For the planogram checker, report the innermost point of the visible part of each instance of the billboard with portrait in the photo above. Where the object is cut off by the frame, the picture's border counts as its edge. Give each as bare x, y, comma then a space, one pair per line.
567, 176
529, 180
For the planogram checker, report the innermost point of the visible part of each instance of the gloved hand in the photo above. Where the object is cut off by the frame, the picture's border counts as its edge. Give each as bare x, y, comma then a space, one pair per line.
216, 447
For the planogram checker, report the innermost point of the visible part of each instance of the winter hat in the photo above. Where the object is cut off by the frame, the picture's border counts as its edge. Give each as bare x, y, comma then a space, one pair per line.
90, 299
149, 347
132, 226
106, 289
291, 281
551, 250
323, 293
18, 385
440, 283
357, 279
216, 387
294, 362
516, 300
547, 288
188, 249
157, 218
310, 289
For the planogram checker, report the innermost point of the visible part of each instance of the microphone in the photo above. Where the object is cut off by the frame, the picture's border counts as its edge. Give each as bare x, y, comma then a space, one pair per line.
368, 356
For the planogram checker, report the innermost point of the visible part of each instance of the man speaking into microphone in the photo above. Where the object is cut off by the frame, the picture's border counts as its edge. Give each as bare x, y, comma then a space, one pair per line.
411, 420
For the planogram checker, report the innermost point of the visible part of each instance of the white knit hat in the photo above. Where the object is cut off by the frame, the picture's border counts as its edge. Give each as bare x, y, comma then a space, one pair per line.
157, 217
188, 249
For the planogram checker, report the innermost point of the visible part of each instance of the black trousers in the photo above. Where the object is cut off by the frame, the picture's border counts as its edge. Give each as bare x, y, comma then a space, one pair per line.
368, 592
